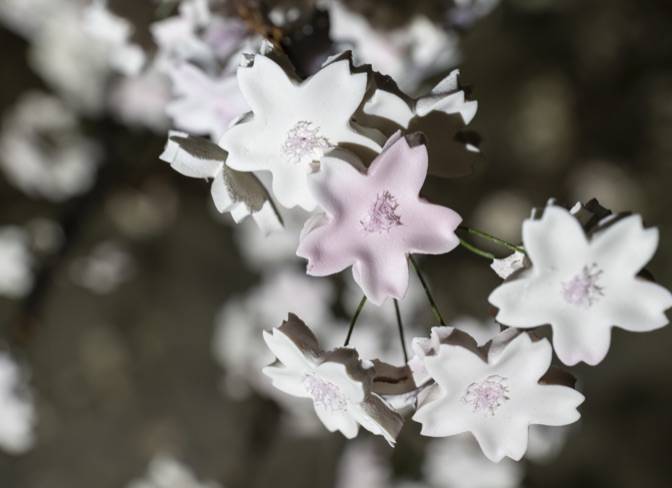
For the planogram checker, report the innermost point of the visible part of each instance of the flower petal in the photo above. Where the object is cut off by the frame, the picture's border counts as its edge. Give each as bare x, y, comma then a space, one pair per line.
287, 352
339, 103
554, 405
639, 306
378, 418
625, 246
337, 374
338, 421
328, 249
381, 276
555, 240
577, 341
287, 380
524, 359
430, 229
400, 168
265, 84
501, 440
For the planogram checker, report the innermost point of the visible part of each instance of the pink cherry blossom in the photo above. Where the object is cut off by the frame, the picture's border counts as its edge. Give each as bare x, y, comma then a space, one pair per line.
375, 219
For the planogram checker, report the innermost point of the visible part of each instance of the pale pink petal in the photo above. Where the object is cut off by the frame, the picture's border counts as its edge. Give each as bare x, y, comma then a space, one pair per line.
430, 229
328, 249
287, 380
400, 168
382, 276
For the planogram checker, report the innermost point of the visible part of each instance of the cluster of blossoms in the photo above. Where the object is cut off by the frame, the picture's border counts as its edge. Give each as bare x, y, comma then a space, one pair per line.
333, 155
343, 145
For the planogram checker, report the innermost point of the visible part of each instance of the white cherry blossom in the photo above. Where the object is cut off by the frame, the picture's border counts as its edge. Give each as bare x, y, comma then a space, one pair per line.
337, 382
583, 287
495, 392
293, 123
42, 151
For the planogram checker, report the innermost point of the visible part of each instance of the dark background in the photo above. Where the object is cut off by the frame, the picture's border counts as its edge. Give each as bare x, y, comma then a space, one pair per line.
575, 102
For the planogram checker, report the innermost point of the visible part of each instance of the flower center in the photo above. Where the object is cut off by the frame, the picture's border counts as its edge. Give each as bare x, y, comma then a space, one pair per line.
304, 142
488, 395
325, 394
382, 216
583, 289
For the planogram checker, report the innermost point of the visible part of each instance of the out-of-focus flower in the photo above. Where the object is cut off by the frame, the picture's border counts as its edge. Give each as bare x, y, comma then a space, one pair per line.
294, 123
264, 252
362, 466
238, 193
141, 100
241, 321
457, 462
545, 442
166, 472
42, 151
375, 220
337, 381
466, 12
409, 54
196, 35
27, 17
104, 270
494, 393
145, 211
16, 262
17, 413
78, 50
203, 104
584, 286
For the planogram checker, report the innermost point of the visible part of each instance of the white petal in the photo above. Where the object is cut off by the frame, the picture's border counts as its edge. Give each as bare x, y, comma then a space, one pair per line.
185, 163
287, 352
554, 405
556, 240
287, 380
338, 421
625, 246
577, 341
337, 374
639, 306
501, 440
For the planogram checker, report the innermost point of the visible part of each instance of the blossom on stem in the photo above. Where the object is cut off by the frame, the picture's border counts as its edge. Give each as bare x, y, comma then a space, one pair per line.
495, 392
294, 123
583, 286
337, 381
375, 219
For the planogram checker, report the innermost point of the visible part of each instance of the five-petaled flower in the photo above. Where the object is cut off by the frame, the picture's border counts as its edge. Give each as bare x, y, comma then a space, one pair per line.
294, 123
494, 392
584, 286
375, 219
337, 381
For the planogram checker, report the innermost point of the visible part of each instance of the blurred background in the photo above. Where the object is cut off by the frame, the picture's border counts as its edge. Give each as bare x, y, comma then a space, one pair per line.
132, 311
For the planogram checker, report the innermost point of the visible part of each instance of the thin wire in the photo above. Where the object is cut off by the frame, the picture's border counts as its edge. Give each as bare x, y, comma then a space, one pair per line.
354, 320
432, 303
400, 325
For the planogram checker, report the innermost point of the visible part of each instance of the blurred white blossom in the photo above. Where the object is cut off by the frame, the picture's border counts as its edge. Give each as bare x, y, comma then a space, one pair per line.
16, 262
17, 413
166, 472
42, 151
